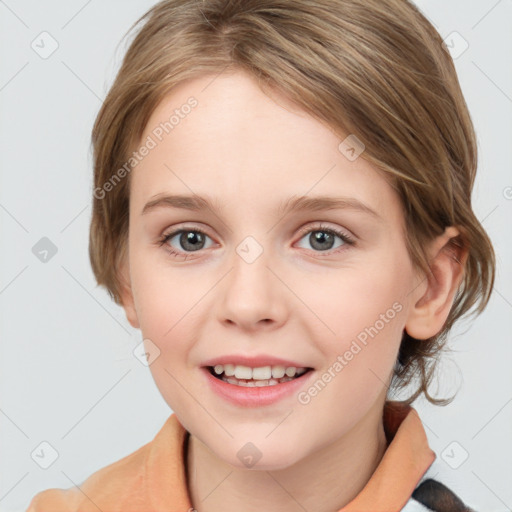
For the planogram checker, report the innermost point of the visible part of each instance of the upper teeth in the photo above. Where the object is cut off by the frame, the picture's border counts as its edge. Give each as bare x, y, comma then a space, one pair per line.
260, 373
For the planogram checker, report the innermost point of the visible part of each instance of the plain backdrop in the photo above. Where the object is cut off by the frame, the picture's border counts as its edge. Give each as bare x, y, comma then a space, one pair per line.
68, 375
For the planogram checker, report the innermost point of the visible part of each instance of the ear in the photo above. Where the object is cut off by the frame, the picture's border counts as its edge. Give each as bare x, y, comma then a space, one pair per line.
433, 300
126, 293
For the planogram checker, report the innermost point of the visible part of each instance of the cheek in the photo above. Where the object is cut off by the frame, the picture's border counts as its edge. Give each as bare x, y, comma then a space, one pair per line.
364, 310
158, 298
154, 287
170, 304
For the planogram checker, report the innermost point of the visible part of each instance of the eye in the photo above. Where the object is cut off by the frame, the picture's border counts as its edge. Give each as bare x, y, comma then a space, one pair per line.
189, 240
322, 238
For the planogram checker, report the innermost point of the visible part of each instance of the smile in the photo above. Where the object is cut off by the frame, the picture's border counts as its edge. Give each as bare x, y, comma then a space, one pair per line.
245, 376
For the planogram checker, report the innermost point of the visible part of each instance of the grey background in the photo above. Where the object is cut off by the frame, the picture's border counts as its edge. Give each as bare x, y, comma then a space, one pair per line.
68, 375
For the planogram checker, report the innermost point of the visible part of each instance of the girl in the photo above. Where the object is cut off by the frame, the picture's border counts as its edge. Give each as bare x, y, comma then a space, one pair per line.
282, 206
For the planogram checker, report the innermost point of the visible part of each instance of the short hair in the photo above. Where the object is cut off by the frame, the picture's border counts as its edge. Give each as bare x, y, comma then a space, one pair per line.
376, 69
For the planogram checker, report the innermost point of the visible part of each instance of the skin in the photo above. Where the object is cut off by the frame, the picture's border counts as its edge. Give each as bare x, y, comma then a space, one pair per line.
251, 151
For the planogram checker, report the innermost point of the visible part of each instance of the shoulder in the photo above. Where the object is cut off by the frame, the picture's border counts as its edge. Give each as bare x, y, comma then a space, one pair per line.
54, 499
122, 478
148, 478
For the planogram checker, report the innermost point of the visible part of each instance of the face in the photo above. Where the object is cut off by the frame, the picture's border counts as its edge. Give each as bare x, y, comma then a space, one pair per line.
245, 277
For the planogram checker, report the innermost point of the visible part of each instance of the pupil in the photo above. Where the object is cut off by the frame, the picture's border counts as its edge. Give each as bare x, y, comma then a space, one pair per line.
319, 238
189, 240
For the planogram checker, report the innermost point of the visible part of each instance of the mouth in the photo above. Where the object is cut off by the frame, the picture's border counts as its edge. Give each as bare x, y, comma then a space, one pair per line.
263, 376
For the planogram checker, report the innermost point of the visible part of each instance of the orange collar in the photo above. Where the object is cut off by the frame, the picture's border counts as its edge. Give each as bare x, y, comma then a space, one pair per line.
405, 461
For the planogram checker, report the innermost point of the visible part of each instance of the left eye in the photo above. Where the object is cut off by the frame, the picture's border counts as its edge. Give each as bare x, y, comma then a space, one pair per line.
322, 239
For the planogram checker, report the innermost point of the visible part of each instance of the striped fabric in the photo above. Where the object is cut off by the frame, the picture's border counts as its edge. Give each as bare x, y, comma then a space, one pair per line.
431, 495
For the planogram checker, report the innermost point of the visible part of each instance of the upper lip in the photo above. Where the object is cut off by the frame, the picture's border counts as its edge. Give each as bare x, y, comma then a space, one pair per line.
253, 361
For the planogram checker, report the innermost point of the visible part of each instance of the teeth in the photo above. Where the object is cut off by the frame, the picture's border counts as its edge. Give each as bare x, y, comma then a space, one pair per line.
278, 371
291, 371
262, 373
255, 383
229, 369
243, 372
265, 374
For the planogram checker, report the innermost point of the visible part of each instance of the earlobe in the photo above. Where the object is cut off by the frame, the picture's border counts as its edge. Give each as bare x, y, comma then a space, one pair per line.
434, 300
126, 294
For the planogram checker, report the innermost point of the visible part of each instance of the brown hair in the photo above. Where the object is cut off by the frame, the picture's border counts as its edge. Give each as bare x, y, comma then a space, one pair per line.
376, 69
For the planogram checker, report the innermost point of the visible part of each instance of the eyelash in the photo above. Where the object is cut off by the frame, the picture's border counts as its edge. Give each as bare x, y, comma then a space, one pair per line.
348, 240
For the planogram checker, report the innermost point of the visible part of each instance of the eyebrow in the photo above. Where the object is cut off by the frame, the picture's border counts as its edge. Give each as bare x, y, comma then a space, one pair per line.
293, 204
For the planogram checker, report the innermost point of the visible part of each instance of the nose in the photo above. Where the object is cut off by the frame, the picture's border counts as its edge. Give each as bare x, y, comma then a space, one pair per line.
252, 296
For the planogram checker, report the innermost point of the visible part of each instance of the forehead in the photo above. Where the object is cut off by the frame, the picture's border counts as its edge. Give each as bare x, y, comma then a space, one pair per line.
222, 136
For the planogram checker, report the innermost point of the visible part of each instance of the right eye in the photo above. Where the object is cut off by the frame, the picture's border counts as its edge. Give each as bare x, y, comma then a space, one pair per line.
190, 240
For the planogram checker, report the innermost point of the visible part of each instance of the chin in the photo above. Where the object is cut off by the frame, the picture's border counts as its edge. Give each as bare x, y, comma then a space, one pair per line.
264, 464
260, 456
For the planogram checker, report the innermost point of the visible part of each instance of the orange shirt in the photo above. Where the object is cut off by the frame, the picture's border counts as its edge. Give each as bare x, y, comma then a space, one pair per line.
152, 479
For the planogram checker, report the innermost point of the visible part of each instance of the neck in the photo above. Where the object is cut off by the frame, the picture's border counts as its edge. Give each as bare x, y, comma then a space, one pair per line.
324, 481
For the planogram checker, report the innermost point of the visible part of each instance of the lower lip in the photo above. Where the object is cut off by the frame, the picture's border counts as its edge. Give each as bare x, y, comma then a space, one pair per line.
255, 396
